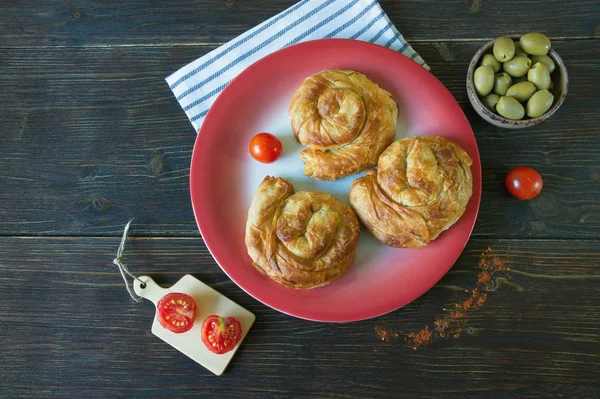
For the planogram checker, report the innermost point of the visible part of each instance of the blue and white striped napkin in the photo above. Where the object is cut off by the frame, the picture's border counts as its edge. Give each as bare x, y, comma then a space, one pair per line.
197, 85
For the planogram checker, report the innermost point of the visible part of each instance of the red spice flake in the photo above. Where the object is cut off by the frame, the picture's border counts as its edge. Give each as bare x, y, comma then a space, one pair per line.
421, 338
383, 334
467, 304
440, 324
386, 335
452, 322
483, 277
481, 300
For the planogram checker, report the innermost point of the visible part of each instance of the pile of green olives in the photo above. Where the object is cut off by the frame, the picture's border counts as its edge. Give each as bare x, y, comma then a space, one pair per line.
515, 80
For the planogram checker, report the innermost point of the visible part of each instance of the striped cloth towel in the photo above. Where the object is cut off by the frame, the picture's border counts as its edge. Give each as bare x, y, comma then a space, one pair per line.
197, 85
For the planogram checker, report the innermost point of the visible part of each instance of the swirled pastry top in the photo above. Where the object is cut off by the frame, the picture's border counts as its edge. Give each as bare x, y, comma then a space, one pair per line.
345, 119
421, 188
301, 240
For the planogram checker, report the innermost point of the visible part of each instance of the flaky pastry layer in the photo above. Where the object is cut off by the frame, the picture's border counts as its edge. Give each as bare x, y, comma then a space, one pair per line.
420, 188
345, 119
302, 240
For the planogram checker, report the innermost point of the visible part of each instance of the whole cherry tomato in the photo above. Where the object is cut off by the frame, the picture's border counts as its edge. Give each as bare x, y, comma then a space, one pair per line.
176, 311
221, 334
524, 183
265, 147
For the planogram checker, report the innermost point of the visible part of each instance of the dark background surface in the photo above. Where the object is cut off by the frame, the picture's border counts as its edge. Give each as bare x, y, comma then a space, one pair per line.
90, 136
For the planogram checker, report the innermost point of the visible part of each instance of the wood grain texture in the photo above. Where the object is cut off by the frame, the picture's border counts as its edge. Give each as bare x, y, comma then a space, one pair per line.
68, 328
93, 136
90, 136
112, 22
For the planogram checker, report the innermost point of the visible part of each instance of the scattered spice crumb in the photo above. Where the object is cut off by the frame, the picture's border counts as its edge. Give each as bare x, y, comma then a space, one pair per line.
421, 338
386, 335
452, 322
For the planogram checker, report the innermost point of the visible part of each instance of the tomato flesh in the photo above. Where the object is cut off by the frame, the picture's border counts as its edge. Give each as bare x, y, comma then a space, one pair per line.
221, 334
265, 147
524, 183
176, 311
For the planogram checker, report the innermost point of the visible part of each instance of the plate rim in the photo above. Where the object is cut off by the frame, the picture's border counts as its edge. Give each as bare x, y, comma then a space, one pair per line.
343, 318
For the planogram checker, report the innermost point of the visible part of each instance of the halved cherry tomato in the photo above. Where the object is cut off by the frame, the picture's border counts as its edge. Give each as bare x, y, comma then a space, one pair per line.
176, 312
265, 147
524, 183
221, 334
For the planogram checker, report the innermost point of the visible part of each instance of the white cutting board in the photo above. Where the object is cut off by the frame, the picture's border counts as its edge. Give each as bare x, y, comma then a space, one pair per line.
208, 302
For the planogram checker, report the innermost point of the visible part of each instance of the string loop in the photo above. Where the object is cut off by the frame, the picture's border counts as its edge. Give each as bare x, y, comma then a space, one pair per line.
118, 261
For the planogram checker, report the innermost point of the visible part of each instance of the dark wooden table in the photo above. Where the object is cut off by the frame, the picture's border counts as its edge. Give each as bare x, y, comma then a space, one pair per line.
90, 136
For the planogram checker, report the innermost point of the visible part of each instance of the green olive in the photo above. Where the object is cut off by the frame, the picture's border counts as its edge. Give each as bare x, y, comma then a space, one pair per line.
535, 43
544, 59
539, 103
490, 60
519, 50
510, 108
504, 49
502, 81
483, 80
518, 66
538, 75
490, 101
521, 91
551, 87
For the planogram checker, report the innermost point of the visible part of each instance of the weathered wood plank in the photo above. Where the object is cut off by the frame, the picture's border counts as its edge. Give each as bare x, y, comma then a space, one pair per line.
68, 328
88, 22
93, 136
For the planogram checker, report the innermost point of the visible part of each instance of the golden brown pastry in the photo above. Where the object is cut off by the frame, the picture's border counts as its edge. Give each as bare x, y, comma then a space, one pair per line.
345, 119
301, 240
421, 188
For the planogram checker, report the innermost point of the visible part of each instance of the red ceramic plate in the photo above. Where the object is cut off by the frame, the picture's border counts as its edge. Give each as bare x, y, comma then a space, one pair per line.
224, 176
